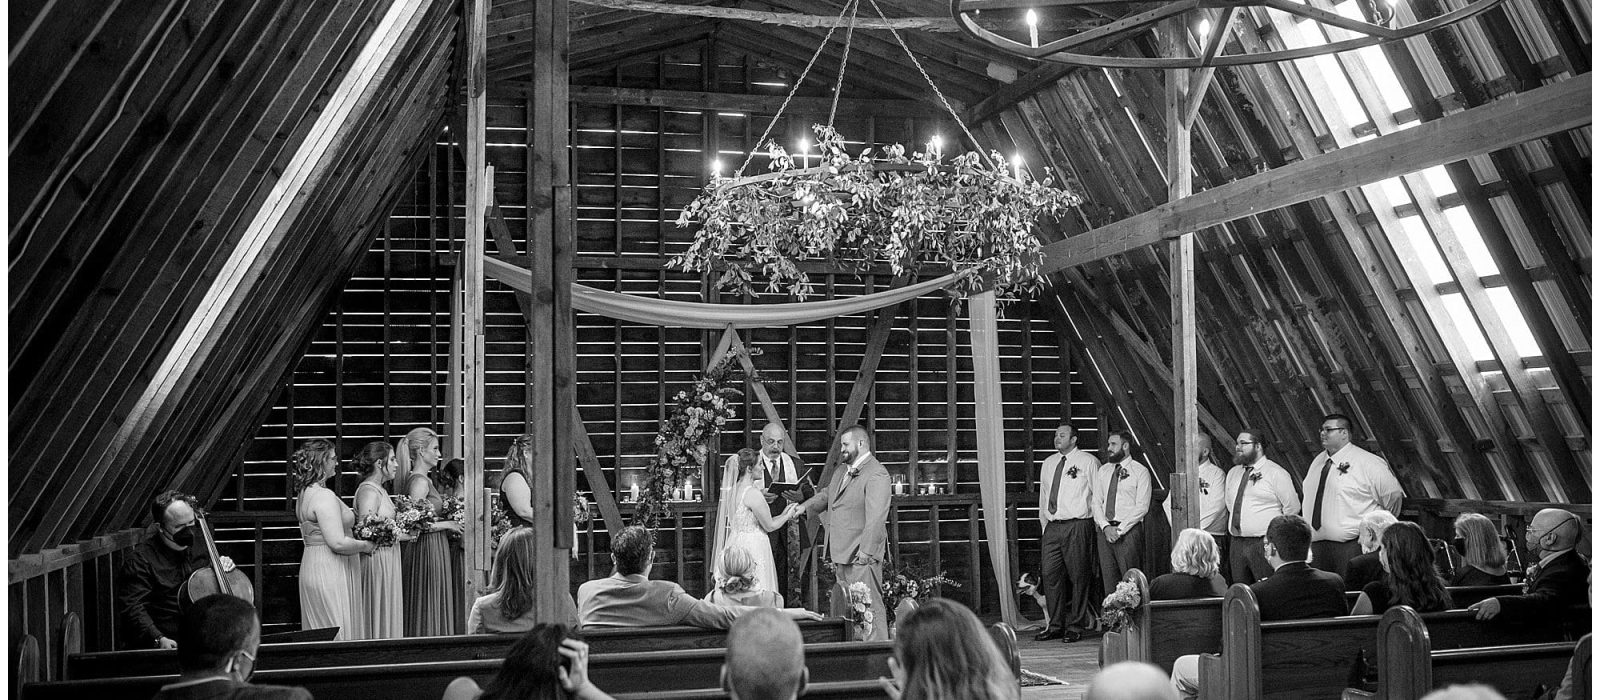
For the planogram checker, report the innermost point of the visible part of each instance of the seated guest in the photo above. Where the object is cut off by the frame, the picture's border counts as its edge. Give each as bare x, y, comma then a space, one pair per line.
509, 606
1409, 576
1483, 554
1364, 567
941, 652
1474, 691
1558, 581
218, 639
1194, 569
766, 658
550, 661
628, 598
1130, 680
1294, 591
737, 584
154, 572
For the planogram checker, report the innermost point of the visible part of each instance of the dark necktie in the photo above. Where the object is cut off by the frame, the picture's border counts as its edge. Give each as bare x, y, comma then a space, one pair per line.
1055, 484
1238, 502
771, 464
1322, 486
1111, 493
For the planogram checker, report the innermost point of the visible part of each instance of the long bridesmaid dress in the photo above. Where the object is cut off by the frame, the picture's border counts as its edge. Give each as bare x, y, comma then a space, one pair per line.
434, 599
327, 579
381, 589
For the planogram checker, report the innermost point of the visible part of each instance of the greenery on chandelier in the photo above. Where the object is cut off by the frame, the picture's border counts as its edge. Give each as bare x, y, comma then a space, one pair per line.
913, 213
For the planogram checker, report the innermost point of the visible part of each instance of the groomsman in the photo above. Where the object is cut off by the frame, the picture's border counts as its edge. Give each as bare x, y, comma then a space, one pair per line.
1213, 507
1344, 483
1257, 490
1121, 500
1067, 573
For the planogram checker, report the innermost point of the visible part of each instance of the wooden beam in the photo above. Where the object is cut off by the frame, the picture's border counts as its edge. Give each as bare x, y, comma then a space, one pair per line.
1017, 91
598, 485
851, 107
877, 340
1523, 117
1185, 484
469, 344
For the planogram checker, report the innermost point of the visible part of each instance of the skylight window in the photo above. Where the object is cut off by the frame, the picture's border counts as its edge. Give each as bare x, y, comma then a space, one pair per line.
1422, 242
1467, 233
1467, 325
1339, 96
1511, 315
1439, 181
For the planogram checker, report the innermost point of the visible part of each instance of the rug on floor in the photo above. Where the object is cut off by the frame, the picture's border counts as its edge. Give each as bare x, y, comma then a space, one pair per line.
1031, 679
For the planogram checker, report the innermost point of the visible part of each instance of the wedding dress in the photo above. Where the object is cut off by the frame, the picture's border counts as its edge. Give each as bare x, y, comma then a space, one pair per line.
744, 530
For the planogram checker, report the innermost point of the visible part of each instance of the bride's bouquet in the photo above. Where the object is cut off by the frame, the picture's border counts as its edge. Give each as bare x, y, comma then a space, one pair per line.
376, 529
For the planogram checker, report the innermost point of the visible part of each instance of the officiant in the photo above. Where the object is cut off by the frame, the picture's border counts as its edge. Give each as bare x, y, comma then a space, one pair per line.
779, 466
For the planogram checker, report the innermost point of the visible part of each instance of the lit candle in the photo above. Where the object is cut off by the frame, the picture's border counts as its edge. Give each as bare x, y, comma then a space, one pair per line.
1016, 165
633, 490
1204, 30
716, 168
1033, 28
801, 149
937, 146
688, 489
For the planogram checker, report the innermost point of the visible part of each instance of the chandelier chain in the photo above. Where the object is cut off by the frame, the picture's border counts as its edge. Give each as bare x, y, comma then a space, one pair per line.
940, 93
844, 60
751, 153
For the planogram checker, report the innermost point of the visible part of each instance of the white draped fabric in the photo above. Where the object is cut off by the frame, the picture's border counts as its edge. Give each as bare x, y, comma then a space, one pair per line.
691, 314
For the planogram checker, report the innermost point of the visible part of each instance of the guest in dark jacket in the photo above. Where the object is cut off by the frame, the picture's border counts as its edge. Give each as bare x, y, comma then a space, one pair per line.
1194, 569
1294, 591
1409, 575
1483, 554
1364, 568
218, 638
1560, 579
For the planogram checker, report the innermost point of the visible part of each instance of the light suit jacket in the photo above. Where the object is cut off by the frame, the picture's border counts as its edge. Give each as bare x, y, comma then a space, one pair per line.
855, 509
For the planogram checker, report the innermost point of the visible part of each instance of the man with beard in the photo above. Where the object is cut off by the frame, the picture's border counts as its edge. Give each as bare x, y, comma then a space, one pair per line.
1067, 569
855, 509
1257, 490
1121, 500
1213, 509
1344, 483
1558, 581
155, 571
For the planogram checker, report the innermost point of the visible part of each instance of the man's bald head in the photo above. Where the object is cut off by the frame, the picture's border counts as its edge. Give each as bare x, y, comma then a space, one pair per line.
766, 657
1554, 529
772, 438
1131, 680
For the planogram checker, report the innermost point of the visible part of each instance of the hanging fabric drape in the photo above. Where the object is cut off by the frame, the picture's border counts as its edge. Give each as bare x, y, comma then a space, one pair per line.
689, 314
990, 415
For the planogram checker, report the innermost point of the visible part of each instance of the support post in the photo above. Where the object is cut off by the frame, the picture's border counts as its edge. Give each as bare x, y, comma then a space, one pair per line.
1185, 484
470, 340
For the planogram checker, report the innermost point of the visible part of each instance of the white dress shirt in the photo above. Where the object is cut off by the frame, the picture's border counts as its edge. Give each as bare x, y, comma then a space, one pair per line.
1133, 495
1270, 495
1359, 482
1076, 489
1213, 509
786, 471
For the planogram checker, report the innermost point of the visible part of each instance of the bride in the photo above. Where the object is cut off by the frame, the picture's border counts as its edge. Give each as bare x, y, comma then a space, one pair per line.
744, 520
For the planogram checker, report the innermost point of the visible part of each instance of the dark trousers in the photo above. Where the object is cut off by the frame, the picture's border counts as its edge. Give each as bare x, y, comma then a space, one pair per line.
1067, 574
780, 560
1117, 557
1334, 556
1247, 563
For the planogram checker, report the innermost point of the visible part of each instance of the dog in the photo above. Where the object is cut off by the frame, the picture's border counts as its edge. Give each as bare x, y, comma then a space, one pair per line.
1028, 586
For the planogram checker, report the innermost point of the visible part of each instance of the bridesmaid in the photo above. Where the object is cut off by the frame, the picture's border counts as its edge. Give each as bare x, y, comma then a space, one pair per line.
516, 494
449, 479
328, 576
381, 596
435, 600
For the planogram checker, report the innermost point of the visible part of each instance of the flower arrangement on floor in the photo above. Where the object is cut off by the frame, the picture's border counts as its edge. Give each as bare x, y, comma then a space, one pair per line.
909, 584
376, 529
1117, 609
413, 516
968, 213
683, 443
860, 611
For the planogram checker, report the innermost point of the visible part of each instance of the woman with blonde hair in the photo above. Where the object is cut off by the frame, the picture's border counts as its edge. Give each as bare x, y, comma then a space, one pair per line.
942, 652
1483, 553
1364, 568
434, 600
329, 577
1195, 561
737, 583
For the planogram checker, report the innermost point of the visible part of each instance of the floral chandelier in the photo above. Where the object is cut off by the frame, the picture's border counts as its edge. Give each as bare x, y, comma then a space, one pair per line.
970, 213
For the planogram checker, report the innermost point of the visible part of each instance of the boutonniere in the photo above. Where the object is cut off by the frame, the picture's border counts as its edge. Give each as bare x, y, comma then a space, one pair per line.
1205, 488
1072, 472
1122, 472
854, 470
1254, 476
1344, 468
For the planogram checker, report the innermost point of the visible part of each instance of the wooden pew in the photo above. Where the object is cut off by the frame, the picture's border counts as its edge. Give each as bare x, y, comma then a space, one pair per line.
115, 664
1411, 663
836, 690
628, 672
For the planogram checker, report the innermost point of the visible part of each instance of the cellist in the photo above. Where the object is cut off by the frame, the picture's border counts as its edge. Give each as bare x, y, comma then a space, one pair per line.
154, 573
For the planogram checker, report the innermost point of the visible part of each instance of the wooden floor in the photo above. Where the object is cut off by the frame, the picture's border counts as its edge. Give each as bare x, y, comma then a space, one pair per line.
1074, 663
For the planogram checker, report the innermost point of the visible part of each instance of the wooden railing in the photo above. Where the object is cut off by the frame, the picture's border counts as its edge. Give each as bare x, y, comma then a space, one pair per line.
63, 602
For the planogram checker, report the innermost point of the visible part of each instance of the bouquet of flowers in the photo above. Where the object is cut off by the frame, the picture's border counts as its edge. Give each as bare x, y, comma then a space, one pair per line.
860, 612
908, 583
499, 522
696, 416
376, 529
1118, 607
413, 516
580, 509
455, 509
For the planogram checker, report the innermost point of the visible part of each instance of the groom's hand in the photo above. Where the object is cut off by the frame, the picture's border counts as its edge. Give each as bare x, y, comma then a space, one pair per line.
793, 496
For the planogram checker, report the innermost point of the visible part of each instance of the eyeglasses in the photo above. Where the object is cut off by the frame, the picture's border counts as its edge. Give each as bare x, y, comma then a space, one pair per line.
1242, 443
1326, 429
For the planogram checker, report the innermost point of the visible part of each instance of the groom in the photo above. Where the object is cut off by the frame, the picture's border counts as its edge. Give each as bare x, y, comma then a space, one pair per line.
857, 514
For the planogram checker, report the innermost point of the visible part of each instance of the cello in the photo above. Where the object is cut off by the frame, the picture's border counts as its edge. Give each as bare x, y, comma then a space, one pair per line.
212, 579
